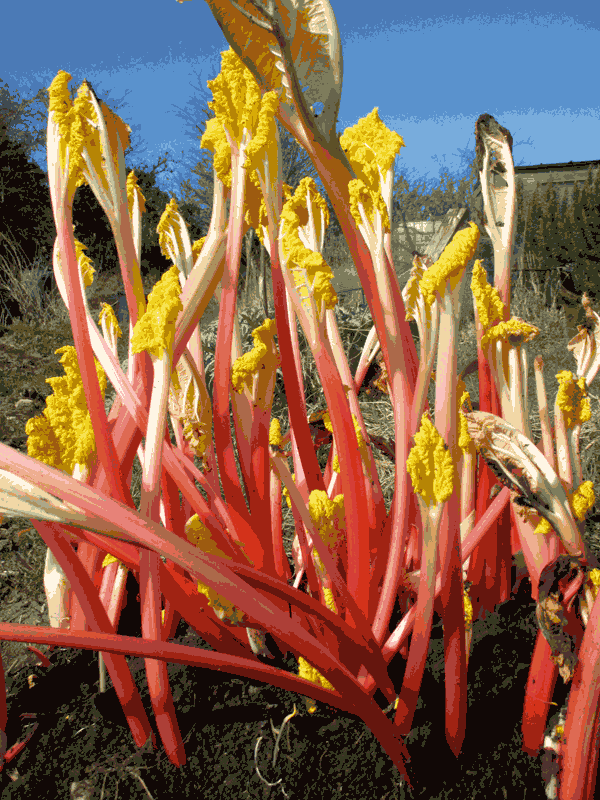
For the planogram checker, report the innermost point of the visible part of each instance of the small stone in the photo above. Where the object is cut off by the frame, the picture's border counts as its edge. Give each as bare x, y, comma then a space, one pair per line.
23, 403
82, 790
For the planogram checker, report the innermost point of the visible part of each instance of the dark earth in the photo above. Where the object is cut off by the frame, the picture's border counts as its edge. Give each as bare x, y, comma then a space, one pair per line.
79, 738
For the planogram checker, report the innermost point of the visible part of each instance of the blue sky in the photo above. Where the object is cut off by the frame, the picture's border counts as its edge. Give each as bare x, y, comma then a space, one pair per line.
533, 65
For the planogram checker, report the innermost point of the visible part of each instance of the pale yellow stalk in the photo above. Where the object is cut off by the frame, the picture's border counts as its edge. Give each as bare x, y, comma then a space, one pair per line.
547, 440
498, 190
427, 317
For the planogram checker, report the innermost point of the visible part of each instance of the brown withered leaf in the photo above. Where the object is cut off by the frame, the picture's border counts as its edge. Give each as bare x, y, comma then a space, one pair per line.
551, 620
551, 616
381, 381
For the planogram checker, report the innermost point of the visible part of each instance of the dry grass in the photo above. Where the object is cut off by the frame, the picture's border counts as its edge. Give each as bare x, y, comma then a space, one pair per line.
47, 312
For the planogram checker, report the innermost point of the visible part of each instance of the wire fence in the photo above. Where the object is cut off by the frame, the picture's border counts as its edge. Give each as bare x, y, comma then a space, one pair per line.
563, 268
552, 278
360, 300
356, 295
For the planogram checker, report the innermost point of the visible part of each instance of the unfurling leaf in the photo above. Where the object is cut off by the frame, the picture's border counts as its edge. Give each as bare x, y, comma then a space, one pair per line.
293, 48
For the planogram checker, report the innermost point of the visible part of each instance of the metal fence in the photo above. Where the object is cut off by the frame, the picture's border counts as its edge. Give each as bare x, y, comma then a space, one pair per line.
559, 272
551, 280
563, 268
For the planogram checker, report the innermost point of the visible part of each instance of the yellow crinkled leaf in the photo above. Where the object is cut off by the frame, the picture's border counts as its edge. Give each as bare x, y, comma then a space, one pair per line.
215, 140
430, 465
329, 516
451, 263
309, 673
236, 97
262, 360
572, 399
490, 307
264, 141
199, 535
133, 193
63, 436
189, 402
515, 331
582, 500
155, 330
311, 31
275, 433
310, 271
371, 148
371, 203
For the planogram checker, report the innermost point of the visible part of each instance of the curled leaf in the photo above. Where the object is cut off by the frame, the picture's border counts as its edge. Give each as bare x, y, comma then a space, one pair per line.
552, 618
585, 346
493, 150
294, 49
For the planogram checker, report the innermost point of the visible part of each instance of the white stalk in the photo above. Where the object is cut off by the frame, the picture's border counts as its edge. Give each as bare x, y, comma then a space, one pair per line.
58, 592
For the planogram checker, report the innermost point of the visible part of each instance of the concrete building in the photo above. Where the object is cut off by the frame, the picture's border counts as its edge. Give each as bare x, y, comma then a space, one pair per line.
418, 235
562, 175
